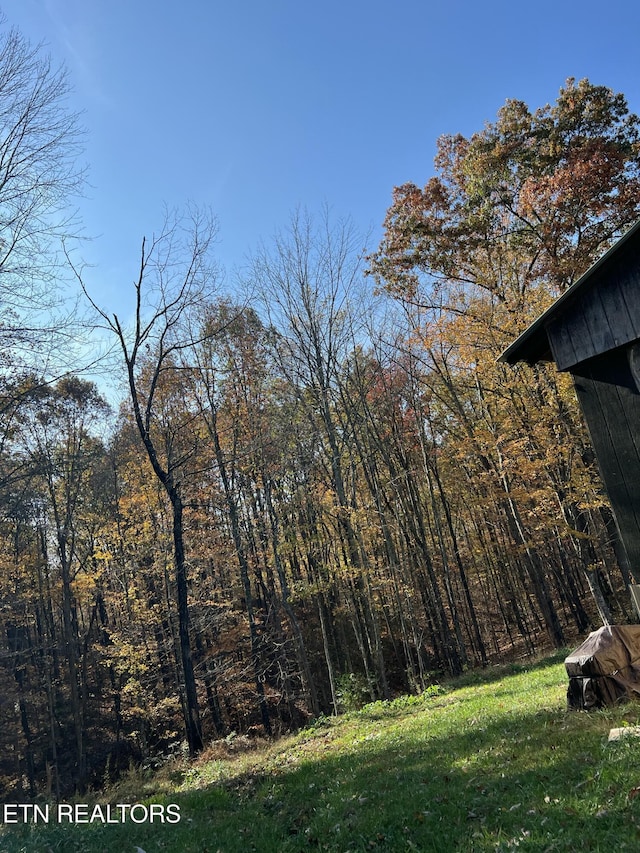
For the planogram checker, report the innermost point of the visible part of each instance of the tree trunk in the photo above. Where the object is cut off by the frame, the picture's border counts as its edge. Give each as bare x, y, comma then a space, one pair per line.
192, 716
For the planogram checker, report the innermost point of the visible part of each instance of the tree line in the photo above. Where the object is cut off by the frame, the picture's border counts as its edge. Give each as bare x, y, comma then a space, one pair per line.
323, 488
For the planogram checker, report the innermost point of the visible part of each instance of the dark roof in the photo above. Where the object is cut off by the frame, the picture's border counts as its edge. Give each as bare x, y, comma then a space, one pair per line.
533, 344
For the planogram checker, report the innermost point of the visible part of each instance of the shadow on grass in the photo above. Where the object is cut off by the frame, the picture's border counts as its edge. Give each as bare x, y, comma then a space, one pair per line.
425, 778
544, 781
502, 670
535, 783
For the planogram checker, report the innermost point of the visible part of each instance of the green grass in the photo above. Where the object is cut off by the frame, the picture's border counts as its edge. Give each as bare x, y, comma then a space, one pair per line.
490, 762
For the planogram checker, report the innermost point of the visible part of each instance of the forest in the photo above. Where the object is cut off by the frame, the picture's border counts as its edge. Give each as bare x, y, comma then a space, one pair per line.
315, 491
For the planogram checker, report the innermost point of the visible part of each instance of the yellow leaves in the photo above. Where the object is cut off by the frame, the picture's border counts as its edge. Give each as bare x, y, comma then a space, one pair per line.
127, 657
102, 555
84, 585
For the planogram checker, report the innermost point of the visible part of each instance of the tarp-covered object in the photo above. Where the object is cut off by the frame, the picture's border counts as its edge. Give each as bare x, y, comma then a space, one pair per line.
605, 668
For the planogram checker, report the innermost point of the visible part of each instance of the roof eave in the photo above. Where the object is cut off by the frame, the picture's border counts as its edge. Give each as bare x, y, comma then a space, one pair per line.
533, 344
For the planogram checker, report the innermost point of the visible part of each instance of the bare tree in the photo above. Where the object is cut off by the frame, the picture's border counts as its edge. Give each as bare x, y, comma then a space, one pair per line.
310, 285
175, 283
40, 141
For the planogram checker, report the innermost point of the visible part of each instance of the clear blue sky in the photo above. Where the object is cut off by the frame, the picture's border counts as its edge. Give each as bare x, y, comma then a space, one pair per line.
260, 106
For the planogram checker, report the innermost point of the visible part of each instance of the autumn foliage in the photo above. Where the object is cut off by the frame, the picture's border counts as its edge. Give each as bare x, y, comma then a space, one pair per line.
367, 501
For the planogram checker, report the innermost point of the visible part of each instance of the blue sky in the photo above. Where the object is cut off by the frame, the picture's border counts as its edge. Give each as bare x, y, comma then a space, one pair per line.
258, 107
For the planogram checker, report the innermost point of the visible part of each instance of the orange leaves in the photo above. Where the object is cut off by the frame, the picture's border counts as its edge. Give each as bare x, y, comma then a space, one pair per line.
550, 186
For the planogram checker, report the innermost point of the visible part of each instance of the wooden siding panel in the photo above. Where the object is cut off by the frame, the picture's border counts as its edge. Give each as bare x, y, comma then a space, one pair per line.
614, 306
628, 277
620, 266
578, 330
612, 412
561, 344
597, 320
605, 316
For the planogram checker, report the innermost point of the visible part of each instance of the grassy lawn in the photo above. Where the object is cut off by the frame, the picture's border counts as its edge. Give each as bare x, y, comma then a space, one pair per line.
489, 762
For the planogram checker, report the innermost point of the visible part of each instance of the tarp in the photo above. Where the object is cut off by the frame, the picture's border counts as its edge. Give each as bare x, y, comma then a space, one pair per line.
605, 669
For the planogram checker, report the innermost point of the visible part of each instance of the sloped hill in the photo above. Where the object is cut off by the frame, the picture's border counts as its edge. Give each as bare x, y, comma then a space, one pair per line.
490, 762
